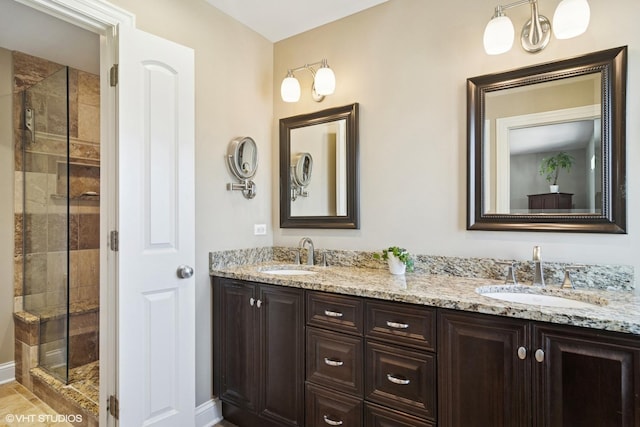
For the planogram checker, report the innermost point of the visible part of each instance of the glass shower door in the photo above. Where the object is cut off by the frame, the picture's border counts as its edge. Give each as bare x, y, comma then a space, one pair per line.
46, 219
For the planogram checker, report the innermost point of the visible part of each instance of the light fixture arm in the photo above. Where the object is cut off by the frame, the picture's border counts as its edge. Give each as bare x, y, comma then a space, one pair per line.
310, 67
536, 33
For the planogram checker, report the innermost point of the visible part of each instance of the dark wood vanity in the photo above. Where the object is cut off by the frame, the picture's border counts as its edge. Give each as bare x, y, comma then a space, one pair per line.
287, 356
548, 201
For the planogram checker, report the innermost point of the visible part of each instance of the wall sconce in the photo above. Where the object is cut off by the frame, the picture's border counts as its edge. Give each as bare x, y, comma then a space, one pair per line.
324, 82
570, 19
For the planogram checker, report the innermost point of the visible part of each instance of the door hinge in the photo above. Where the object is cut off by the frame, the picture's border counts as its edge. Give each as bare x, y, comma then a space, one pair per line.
114, 240
113, 75
114, 409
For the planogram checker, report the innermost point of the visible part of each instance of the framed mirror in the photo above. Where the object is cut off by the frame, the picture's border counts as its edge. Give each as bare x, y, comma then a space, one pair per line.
319, 169
546, 146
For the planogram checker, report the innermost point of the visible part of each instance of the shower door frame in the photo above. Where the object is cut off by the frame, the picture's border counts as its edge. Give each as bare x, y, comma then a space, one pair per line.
104, 20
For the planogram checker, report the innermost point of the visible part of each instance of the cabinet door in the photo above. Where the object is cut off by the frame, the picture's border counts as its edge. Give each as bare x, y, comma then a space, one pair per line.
237, 338
586, 378
482, 381
282, 354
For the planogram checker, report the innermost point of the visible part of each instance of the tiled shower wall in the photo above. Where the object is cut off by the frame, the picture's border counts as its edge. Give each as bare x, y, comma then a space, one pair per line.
44, 164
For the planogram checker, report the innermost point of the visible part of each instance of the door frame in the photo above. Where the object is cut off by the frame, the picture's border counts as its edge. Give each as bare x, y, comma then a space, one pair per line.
103, 19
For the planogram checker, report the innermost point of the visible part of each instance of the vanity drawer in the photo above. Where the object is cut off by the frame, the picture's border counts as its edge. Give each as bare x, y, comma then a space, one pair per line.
400, 323
378, 416
330, 408
335, 312
401, 379
335, 360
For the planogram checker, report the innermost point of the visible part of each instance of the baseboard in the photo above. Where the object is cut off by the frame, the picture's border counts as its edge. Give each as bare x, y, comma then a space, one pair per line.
7, 372
209, 413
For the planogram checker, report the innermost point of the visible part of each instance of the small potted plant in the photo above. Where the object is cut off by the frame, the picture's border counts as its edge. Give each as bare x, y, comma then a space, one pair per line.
550, 166
397, 258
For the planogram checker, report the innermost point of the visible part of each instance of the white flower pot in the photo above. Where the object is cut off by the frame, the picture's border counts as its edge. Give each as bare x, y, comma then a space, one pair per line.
554, 189
395, 265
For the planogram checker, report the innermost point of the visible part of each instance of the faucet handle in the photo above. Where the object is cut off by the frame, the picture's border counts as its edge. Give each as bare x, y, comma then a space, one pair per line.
511, 271
566, 282
324, 259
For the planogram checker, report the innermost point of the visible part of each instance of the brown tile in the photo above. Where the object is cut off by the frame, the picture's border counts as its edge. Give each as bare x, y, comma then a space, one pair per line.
17, 234
88, 89
28, 333
83, 323
89, 231
83, 349
17, 355
35, 162
18, 283
35, 233
35, 274
73, 102
85, 150
53, 331
57, 232
29, 70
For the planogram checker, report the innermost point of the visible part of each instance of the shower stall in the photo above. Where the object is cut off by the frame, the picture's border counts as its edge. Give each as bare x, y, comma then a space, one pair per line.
60, 240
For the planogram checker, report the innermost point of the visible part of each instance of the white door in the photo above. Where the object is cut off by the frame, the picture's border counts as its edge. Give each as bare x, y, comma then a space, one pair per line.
156, 308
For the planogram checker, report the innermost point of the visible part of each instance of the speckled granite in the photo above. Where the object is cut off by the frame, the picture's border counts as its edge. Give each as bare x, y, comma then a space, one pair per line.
609, 277
618, 310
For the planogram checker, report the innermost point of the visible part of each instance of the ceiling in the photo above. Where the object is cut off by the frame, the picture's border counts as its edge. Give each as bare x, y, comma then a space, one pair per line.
555, 137
276, 20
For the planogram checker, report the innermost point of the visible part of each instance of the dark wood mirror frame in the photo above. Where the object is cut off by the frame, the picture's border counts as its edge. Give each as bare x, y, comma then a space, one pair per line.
612, 64
352, 219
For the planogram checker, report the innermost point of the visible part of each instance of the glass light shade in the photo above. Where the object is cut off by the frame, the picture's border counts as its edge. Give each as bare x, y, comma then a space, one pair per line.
290, 89
498, 35
571, 18
325, 81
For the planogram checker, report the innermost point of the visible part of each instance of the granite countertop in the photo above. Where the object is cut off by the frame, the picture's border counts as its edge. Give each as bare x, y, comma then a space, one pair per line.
617, 311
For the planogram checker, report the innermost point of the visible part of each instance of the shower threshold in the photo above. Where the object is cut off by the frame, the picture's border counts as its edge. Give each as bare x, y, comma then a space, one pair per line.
79, 397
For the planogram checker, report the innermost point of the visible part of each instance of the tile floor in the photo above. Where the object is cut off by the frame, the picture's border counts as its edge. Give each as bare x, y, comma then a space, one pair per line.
21, 408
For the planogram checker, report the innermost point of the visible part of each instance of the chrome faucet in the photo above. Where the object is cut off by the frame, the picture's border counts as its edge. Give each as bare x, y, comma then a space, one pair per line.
303, 242
538, 276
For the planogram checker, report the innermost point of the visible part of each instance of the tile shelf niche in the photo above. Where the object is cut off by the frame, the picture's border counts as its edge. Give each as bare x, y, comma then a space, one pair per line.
84, 181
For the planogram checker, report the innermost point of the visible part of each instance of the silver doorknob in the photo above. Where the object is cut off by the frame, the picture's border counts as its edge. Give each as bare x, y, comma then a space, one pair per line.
184, 271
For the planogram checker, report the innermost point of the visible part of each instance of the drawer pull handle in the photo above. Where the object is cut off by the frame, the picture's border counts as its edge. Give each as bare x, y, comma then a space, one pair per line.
331, 422
398, 380
397, 325
333, 362
332, 313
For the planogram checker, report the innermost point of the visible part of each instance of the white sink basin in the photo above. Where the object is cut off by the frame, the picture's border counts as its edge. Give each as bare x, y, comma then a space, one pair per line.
535, 299
288, 271
534, 296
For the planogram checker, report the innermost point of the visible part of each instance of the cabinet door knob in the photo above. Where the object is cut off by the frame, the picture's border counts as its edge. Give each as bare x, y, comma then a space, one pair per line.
522, 353
397, 325
398, 380
259, 303
331, 422
251, 301
539, 355
332, 313
333, 362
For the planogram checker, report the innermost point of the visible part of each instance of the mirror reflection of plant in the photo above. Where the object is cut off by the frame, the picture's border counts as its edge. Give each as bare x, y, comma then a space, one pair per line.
550, 166
401, 253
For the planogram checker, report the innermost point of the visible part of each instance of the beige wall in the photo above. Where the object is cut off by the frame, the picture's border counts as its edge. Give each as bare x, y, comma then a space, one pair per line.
406, 62
234, 67
6, 209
